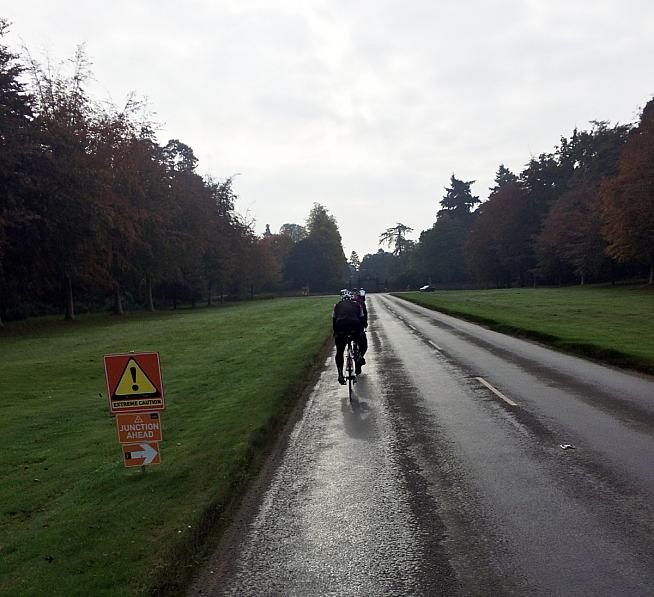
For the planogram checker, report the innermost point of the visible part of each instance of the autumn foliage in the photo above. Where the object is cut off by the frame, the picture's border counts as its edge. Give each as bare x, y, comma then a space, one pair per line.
627, 207
581, 213
94, 211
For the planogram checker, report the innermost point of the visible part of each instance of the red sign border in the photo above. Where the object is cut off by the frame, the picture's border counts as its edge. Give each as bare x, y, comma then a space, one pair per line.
134, 409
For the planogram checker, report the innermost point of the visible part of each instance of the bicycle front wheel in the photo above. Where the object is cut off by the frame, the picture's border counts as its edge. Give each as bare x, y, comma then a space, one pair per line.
350, 374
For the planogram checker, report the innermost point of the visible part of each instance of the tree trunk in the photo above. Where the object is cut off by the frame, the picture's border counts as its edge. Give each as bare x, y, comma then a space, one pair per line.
209, 302
149, 303
251, 292
651, 272
582, 280
70, 304
118, 301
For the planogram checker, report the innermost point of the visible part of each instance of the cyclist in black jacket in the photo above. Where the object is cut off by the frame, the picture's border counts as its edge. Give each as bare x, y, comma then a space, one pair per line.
348, 318
361, 299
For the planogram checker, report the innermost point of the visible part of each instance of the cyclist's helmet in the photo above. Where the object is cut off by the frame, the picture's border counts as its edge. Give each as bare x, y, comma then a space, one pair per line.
345, 294
362, 292
354, 292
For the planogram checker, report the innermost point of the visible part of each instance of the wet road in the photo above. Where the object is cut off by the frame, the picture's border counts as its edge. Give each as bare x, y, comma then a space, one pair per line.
446, 477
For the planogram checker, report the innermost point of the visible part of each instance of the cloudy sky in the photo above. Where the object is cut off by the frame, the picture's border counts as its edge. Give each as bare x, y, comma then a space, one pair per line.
367, 107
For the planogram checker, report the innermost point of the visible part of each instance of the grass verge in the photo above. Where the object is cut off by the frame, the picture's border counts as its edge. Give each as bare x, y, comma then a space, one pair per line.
610, 324
73, 521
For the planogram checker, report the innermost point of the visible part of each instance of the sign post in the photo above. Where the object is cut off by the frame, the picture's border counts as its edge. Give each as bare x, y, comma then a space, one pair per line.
135, 393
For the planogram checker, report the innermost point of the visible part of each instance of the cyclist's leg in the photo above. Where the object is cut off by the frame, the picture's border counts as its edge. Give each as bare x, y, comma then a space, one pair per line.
361, 345
362, 341
341, 341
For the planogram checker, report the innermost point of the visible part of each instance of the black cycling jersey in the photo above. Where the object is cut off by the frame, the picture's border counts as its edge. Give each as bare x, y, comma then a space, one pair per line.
348, 316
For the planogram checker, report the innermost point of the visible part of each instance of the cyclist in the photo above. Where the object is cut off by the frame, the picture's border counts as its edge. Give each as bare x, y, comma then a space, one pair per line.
348, 319
361, 299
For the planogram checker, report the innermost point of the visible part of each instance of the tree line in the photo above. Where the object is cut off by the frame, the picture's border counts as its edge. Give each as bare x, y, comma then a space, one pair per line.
94, 210
581, 213
96, 213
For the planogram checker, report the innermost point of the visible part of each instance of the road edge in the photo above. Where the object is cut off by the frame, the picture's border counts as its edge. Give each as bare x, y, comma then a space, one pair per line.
225, 520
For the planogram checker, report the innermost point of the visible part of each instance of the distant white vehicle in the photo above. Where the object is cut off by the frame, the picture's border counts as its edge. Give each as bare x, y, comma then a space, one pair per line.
426, 288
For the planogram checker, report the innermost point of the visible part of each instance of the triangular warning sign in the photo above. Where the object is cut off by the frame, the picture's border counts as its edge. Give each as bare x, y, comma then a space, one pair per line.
138, 419
134, 383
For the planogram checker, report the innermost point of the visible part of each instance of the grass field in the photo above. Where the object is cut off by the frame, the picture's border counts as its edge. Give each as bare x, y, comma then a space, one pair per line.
74, 521
613, 324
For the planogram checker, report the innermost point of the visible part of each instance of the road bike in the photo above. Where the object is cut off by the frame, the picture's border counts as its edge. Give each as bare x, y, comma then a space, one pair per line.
351, 359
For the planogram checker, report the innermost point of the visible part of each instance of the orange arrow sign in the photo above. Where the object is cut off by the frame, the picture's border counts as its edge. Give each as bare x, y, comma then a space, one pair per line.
141, 454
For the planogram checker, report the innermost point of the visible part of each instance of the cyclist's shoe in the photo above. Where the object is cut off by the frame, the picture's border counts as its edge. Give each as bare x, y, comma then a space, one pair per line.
357, 368
341, 379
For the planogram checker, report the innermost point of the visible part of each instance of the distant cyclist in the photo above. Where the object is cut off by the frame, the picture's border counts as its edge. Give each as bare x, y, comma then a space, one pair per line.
348, 319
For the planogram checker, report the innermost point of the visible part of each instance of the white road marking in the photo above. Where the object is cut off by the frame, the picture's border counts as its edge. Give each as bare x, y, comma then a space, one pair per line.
411, 326
495, 391
436, 346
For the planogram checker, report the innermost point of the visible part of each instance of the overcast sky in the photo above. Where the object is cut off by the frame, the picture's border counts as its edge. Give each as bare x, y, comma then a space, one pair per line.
367, 107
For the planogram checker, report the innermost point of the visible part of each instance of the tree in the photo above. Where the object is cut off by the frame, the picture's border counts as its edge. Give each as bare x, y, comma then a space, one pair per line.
376, 268
221, 258
192, 211
294, 231
503, 177
144, 179
179, 157
571, 232
628, 198
440, 252
458, 200
69, 225
498, 247
351, 268
395, 237
354, 261
485, 253
129, 173
542, 182
18, 164
318, 260
322, 228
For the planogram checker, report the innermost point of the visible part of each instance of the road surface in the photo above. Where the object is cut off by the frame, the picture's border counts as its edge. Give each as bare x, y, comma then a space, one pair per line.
447, 475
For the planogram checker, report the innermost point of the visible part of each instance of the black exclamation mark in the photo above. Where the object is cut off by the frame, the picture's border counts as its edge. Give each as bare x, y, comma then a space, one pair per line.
135, 386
